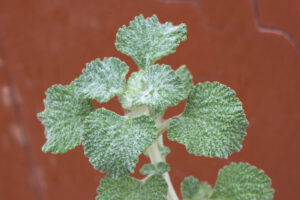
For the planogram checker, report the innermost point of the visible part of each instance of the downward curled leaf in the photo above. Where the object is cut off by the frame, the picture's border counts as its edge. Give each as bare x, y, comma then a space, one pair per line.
213, 123
113, 143
102, 80
156, 87
127, 188
147, 40
63, 118
242, 181
186, 78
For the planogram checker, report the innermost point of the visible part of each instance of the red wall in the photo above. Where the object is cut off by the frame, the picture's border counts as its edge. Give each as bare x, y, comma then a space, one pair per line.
251, 46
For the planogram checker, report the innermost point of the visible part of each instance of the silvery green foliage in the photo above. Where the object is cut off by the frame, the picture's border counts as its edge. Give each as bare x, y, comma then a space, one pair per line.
159, 168
63, 118
205, 191
186, 78
102, 80
157, 87
242, 181
162, 168
113, 143
213, 123
191, 189
147, 40
127, 188
148, 169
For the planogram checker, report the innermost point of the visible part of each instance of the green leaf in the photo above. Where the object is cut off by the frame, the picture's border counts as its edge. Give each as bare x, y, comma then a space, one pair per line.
213, 123
147, 40
102, 80
148, 169
242, 181
159, 168
162, 168
205, 191
156, 87
191, 189
127, 188
186, 78
113, 143
63, 118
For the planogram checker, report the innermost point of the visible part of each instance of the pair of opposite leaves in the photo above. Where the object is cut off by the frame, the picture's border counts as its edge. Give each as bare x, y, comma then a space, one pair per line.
213, 123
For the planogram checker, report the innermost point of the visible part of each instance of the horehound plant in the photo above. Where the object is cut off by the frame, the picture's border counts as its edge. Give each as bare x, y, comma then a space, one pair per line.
213, 123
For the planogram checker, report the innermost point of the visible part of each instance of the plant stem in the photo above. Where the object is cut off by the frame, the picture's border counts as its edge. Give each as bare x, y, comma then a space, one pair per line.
153, 150
155, 158
163, 126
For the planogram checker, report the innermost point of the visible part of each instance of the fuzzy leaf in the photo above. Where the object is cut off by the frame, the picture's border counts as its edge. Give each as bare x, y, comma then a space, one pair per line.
242, 181
128, 188
205, 191
102, 80
162, 168
186, 78
147, 40
191, 189
63, 118
148, 169
213, 123
113, 143
156, 87
159, 168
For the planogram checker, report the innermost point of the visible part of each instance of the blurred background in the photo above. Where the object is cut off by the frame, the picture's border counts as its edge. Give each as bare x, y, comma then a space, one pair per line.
250, 45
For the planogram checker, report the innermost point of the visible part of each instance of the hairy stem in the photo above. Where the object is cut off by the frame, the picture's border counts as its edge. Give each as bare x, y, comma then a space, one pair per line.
155, 158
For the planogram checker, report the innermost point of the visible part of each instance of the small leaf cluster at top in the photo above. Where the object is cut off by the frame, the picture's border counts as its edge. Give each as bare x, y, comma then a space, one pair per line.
213, 123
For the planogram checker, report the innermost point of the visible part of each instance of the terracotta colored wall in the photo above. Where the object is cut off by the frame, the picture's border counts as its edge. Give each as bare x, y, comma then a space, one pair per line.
250, 45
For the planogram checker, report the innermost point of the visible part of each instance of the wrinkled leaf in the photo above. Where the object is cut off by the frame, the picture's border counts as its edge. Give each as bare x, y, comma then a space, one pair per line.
148, 169
186, 78
113, 143
102, 80
156, 87
191, 189
128, 188
159, 168
147, 40
63, 118
242, 181
213, 123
